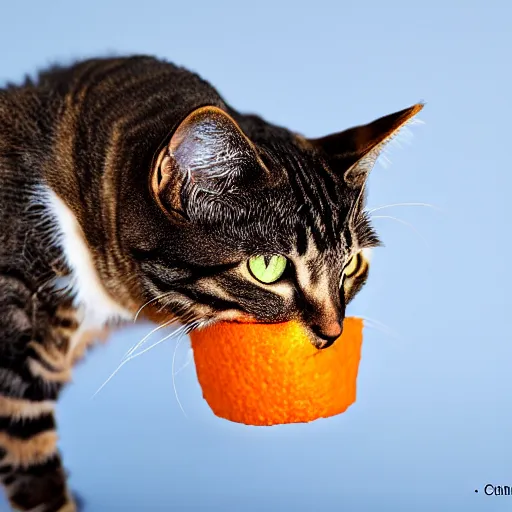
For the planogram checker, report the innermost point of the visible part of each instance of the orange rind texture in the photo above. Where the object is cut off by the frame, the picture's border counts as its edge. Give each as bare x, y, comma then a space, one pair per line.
269, 374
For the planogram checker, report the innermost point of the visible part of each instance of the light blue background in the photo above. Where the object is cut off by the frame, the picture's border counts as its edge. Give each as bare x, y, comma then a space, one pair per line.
433, 418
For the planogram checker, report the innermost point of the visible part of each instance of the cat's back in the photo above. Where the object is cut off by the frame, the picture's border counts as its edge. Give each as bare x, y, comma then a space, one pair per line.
94, 89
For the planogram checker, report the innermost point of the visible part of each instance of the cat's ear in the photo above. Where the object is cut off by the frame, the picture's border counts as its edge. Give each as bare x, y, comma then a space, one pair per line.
353, 152
208, 154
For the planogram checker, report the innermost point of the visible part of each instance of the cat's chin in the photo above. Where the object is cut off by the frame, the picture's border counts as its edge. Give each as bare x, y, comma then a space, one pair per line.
232, 317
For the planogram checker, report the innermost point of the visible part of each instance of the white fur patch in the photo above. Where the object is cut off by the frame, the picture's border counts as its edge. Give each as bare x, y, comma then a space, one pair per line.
95, 306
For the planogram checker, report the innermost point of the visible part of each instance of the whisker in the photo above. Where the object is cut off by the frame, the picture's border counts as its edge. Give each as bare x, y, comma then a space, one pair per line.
143, 340
405, 224
380, 326
189, 328
133, 356
427, 205
154, 299
174, 375
190, 358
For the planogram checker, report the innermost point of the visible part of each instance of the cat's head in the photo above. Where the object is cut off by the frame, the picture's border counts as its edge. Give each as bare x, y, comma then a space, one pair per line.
258, 223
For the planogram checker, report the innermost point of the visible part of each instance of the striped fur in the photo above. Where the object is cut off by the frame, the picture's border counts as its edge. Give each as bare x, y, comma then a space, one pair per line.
129, 184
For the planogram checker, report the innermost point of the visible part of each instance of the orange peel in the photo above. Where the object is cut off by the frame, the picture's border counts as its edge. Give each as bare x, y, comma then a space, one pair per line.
268, 374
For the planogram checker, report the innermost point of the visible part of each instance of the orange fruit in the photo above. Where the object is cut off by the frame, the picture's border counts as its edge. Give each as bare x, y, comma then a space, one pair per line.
268, 374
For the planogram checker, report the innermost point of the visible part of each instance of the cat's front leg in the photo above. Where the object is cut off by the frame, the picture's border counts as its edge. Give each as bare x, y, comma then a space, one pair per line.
35, 480
34, 366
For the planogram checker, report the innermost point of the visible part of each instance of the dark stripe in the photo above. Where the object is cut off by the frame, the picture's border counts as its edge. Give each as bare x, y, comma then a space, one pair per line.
92, 70
166, 285
318, 189
135, 118
31, 388
25, 428
64, 322
312, 207
102, 72
81, 77
315, 183
9, 479
123, 99
153, 103
332, 190
310, 194
5, 470
209, 300
41, 469
12, 298
302, 239
29, 285
304, 199
331, 215
50, 493
210, 270
162, 286
40, 390
348, 237
18, 275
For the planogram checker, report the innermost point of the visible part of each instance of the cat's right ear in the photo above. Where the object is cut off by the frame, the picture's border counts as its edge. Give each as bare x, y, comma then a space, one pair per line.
353, 152
208, 155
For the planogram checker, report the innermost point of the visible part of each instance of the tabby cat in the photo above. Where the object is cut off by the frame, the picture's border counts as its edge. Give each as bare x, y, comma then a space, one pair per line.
129, 182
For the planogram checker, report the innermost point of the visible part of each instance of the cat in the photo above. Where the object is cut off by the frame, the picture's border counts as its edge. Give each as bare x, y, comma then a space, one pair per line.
129, 186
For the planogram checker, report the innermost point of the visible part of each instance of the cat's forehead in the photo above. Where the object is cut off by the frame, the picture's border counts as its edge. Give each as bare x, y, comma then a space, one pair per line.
280, 221
299, 207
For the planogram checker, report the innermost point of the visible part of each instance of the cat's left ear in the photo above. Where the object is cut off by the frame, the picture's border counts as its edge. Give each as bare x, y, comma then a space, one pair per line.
207, 156
353, 152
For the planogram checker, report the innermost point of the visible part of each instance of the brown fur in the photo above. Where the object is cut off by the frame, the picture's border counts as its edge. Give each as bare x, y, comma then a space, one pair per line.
31, 451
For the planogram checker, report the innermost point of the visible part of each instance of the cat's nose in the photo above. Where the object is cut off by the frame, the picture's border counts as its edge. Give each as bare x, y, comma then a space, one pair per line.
327, 334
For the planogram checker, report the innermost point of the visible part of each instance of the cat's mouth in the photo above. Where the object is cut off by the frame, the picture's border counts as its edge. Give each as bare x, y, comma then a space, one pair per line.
320, 337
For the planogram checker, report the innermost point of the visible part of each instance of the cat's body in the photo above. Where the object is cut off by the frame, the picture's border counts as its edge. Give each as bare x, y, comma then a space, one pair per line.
130, 182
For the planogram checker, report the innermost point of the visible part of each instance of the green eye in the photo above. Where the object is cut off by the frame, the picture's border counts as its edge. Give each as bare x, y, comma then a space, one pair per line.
267, 269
